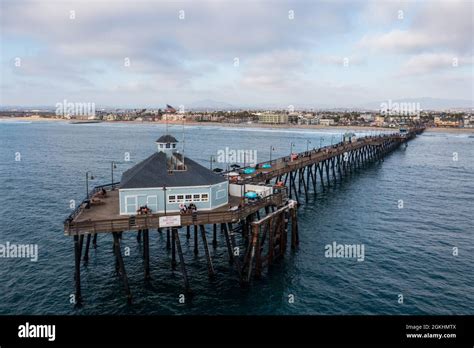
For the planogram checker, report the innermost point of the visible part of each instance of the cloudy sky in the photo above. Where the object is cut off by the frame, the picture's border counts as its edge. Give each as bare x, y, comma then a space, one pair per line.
246, 53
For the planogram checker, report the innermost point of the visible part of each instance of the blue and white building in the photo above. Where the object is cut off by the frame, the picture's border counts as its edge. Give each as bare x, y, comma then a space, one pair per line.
166, 179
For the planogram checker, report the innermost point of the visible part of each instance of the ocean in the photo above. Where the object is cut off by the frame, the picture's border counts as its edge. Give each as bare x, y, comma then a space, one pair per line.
413, 213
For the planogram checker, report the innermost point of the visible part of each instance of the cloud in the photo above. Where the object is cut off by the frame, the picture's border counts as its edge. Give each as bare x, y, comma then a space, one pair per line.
192, 58
433, 62
445, 25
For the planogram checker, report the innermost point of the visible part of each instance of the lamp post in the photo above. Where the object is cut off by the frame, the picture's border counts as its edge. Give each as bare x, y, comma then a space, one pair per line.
307, 144
87, 182
291, 148
112, 167
271, 150
321, 142
212, 159
164, 198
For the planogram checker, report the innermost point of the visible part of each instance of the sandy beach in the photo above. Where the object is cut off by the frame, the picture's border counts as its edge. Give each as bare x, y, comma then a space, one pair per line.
243, 125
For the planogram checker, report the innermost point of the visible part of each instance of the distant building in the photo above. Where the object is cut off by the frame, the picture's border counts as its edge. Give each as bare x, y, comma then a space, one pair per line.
166, 180
379, 120
173, 117
447, 122
327, 122
273, 118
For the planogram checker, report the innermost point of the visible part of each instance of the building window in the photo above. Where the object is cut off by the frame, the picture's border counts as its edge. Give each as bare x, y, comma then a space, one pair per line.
172, 199
168, 145
197, 198
204, 197
180, 198
174, 146
189, 198
220, 194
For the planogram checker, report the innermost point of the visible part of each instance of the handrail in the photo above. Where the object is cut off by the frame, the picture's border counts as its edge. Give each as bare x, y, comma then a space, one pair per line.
203, 217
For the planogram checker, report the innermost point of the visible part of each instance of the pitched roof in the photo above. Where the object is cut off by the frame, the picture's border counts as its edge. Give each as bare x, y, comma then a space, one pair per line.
167, 139
153, 172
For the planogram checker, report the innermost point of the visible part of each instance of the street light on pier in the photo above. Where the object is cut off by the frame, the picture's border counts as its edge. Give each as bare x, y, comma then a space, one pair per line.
321, 142
211, 160
271, 150
307, 144
291, 148
113, 166
87, 182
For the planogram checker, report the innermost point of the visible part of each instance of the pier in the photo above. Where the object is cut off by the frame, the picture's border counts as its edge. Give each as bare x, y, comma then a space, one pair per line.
256, 231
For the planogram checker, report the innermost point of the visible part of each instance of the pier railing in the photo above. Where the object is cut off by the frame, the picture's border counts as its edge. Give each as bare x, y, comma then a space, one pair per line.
137, 222
86, 200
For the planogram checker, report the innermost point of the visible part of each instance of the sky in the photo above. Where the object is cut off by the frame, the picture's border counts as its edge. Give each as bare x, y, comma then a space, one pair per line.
149, 53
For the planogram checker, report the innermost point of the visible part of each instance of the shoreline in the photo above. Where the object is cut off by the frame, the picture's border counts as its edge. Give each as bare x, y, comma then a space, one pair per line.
243, 125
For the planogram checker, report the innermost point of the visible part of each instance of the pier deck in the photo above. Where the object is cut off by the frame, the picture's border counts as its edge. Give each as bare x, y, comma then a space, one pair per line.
106, 217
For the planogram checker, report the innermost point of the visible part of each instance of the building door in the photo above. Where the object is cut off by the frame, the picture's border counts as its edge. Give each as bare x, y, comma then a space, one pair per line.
131, 204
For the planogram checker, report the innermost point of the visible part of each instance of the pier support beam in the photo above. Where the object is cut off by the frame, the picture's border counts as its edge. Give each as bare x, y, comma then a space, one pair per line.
295, 240
168, 242
210, 267
81, 243
181, 260
214, 235
146, 254
196, 249
94, 241
173, 250
227, 242
121, 266
77, 272
86, 252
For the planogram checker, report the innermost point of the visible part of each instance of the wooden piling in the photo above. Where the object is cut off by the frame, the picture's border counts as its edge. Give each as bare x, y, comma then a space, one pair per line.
81, 243
210, 267
94, 241
146, 254
214, 235
86, 252
181, 261
294, 229
173, 249
77, 271
227, 242
196, 243
123, 273
168, 242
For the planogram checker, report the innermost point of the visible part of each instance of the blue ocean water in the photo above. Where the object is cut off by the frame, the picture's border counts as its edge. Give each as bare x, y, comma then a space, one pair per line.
408, 251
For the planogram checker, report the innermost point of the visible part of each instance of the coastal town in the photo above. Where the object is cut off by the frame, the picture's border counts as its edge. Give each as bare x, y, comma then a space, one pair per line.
394, 117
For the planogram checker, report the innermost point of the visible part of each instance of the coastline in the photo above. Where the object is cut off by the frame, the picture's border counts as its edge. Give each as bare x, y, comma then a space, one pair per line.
252, 125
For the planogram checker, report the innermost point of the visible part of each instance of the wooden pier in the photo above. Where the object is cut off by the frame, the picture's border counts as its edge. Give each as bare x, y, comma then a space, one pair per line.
263, 226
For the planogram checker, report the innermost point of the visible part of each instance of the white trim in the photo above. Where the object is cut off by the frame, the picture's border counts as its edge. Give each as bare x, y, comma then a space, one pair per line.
167, 187
221, 190
178, 201
136, 204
